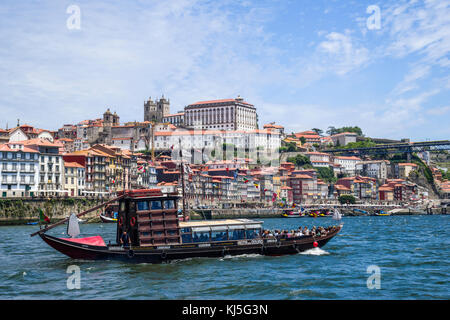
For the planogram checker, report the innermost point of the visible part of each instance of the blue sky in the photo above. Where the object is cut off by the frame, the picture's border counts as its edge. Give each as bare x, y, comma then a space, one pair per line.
303, 64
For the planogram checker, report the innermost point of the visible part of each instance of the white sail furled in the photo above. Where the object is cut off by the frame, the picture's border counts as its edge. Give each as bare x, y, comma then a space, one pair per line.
73, 229
337, 215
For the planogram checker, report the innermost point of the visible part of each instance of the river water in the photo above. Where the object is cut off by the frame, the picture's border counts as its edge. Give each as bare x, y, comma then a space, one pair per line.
395, 257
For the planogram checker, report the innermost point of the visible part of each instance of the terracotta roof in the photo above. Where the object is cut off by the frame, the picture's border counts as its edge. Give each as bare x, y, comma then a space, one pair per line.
347, 158
219, 101
72, 165
341, 187
40, 142
6, 147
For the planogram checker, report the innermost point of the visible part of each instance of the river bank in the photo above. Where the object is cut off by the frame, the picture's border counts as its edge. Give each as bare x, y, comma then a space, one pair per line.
24, 211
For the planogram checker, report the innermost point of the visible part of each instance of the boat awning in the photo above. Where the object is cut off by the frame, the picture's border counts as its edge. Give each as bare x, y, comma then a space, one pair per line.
92, 241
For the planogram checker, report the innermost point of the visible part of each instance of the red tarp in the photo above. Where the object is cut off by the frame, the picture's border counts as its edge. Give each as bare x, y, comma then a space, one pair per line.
93, 241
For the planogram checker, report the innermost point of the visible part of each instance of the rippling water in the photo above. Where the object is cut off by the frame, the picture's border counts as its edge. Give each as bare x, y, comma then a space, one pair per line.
412, 253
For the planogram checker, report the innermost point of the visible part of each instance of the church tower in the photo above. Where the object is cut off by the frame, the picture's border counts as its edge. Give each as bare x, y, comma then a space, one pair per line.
156, 110
150, 110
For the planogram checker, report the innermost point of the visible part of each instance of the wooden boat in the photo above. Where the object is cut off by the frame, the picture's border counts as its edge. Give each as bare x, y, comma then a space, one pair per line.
287, 213
157, 235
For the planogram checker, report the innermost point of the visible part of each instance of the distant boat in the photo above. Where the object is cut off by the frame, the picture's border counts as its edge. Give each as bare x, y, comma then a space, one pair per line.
291, 214
32, 223
382, 213
361, 211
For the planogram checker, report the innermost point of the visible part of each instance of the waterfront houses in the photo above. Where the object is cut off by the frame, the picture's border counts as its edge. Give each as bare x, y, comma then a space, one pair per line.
51, 166
94, 163
19, 169
74, 179
363, 188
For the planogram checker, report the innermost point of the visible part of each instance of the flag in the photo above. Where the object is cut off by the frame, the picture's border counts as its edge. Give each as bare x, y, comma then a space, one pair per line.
42, 217
255, 184
274, 197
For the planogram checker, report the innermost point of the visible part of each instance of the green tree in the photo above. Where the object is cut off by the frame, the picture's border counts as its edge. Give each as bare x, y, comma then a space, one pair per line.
347, 198
299, 160
332, 130
326, 174
318, 131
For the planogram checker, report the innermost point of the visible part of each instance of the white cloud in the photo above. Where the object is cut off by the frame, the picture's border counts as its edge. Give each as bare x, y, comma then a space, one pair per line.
344, 56
439, 111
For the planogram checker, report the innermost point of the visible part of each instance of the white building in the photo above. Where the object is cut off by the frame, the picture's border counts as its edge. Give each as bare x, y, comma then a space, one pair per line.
225, 114
18, 170
347, 163
51, 166
202, 142
319, 159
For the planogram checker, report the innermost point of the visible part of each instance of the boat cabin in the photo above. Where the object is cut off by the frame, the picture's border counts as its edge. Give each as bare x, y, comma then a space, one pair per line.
149, 217
220, 230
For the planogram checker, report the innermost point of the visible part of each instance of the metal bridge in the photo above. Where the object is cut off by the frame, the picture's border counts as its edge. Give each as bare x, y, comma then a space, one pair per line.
403, 147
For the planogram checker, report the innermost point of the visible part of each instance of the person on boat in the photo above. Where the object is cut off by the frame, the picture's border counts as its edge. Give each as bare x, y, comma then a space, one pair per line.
125, 240
306, 231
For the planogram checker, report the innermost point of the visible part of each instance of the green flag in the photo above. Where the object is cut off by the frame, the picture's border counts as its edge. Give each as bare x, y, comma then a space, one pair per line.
42, 217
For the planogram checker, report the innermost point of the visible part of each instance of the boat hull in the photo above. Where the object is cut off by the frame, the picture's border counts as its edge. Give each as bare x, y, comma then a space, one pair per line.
166, 253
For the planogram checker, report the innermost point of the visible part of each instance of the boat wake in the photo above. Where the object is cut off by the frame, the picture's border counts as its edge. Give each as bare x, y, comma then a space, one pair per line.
315, 252
240, 256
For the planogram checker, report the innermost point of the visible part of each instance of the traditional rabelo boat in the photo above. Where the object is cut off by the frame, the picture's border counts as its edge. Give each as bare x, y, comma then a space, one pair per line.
157, 234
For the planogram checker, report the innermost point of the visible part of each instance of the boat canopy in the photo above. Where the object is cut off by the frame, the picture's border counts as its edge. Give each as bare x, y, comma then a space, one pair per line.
221, 225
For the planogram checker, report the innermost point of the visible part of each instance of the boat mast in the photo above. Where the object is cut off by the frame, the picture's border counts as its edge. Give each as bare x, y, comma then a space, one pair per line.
182, 186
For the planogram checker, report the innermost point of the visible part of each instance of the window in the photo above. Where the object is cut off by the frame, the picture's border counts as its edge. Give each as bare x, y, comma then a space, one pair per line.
219, 235
201, 236
169, 204
156, 205
252, 233
236, 234
142, 205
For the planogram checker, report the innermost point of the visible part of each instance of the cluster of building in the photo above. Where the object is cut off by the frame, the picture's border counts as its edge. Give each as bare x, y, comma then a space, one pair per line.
102, 156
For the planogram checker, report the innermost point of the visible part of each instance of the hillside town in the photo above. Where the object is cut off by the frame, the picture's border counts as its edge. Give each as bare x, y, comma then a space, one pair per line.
229, 159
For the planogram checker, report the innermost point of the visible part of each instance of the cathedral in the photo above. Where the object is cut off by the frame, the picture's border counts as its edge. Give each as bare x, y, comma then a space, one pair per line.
156, 110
